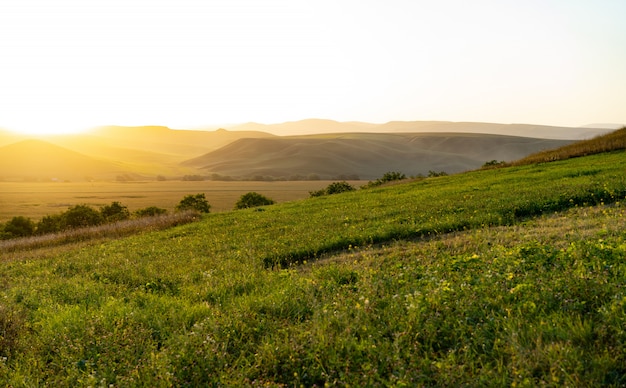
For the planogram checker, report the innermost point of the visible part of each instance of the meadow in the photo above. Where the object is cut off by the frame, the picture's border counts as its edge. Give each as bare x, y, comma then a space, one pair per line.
38, 199
499, 277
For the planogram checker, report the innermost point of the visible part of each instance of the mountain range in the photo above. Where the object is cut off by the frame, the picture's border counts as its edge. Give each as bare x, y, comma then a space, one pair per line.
322, 149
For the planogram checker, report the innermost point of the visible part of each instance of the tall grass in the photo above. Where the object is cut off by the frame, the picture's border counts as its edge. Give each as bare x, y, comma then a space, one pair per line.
503, 277
604, 143
111, 230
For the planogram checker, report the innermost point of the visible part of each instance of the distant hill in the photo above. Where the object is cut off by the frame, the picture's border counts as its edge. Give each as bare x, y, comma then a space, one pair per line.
8, 137
39, 160
316, 126
366, 155
179, 143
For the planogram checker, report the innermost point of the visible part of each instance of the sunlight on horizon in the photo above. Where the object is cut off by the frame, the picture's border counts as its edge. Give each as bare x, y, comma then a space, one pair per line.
70, 65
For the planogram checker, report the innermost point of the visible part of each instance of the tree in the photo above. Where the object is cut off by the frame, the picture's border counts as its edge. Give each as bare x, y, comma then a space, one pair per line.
19, 227
194, 202
114, 212
150, 211
333, 188
339, 187
81, 216
387, 177
253, 199
50, 224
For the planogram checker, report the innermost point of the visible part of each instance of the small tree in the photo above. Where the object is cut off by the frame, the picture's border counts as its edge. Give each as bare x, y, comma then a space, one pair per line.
434, 174
114, 212
339, 187
81, 216
387, 177
19, 227
194, 202
252, 199
150, 211
333, 188
50, 224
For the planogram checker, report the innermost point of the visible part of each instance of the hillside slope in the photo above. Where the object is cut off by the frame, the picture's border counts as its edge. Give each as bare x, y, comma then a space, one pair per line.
501, 277
175, 142
366, 155
40, 160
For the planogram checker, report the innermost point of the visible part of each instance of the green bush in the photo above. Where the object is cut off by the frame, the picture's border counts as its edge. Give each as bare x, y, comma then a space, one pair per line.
150, 211
50, 224
81, 216
253, 199
432, 174
194, 202
19, 227
333, 188
114, 212
387, 177
339, 187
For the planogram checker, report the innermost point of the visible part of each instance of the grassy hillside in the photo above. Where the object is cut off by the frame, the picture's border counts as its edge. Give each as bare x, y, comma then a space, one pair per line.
494, 277
366, 155
615, 140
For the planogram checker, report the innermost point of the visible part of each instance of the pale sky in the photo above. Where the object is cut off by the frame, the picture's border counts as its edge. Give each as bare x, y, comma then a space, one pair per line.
73, 64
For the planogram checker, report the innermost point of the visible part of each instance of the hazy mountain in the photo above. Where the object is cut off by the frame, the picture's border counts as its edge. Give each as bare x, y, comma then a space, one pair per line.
330, 126
178, 143
39, 160
8, 137
368, 155
307, 127
604, 125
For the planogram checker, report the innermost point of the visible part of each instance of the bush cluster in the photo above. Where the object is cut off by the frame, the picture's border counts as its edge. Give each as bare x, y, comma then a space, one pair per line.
333, 188
83, 216
253, 199
387, 177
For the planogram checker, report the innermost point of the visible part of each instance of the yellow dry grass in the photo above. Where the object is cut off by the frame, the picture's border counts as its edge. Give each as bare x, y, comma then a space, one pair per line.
35, 200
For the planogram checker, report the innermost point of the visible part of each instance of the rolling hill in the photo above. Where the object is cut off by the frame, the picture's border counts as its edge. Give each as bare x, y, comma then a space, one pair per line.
178, 143
498, 277
317, 126
366, 155
35, 160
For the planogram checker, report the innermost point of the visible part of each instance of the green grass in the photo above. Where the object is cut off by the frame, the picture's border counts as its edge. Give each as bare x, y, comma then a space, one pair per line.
496, 277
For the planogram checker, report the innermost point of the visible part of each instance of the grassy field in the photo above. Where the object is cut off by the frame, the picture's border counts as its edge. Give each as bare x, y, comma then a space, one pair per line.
35, 200
500, 277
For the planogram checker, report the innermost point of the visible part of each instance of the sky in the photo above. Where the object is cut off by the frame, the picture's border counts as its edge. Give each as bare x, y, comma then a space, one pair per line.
69, 65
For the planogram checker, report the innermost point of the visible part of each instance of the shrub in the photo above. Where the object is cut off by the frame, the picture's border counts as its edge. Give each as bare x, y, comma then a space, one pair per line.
333, 188
19, 227
81, 216
194, 202
150, 211
50, 224
114, 212
432, 173
387, 177
339, 187
493, 163
253, 199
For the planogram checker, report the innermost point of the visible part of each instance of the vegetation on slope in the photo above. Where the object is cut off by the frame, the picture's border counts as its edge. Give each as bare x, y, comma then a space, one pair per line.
363, 288
612, 141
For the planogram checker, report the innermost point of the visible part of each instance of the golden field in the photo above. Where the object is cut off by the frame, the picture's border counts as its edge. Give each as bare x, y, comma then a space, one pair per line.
37, 199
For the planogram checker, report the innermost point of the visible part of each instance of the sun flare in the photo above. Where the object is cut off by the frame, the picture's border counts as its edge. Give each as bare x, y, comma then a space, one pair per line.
45, 129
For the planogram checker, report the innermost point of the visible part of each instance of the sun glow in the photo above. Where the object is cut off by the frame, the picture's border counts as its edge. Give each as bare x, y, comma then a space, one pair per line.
70, 65
45, 129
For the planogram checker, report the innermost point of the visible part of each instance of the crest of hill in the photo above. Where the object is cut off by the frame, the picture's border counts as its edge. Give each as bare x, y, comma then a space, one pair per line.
612, 141
39, 160
8, 137
319, 126
175, 142
366, 155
